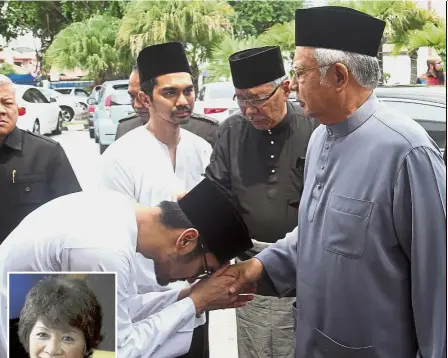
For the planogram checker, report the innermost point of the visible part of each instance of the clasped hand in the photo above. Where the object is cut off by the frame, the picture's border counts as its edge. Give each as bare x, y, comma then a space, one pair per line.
214, 292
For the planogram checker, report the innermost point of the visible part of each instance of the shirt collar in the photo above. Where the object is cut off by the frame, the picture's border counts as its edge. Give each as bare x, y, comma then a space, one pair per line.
285, 123
356, 120
14, 139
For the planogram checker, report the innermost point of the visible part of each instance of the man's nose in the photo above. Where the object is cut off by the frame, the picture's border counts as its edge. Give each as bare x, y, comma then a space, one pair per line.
251, 110
182, 101
293, 84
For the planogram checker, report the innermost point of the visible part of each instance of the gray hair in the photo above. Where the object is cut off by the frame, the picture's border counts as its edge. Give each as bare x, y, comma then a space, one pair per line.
364, 69
5, 80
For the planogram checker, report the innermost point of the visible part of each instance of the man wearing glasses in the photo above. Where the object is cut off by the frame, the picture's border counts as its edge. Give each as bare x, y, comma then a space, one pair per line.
434, 75
259, 158
368, 255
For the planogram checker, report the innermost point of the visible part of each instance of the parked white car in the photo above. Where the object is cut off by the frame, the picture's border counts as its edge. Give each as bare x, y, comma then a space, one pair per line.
114, 103
79, 94
71, 109
36, 113
216, 100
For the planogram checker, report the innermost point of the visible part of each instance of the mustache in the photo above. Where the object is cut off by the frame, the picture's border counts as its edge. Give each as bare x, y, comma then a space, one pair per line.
255, 118
182, 109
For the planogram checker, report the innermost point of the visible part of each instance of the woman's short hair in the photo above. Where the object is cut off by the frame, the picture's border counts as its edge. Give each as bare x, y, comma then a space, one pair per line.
62, 303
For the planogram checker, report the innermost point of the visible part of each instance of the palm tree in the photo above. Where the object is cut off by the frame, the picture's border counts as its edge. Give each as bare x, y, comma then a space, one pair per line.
90, 45
416, 19
398, 15
430, 36
199, 25
282, 35
219, 63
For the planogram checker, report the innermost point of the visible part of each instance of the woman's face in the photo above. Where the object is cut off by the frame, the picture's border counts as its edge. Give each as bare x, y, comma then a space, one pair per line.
48, 342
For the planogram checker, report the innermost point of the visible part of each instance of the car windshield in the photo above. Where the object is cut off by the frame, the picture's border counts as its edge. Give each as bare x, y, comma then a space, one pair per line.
223, 90
63, 90
120, 98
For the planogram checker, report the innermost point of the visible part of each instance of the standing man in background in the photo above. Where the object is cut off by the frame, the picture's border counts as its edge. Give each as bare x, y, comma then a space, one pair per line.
33, 168
434, 76
204, 126
260, 160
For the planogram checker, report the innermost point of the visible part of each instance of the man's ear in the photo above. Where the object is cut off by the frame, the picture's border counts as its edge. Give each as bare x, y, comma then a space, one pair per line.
286, 88
144, 99
187, 241
341, 77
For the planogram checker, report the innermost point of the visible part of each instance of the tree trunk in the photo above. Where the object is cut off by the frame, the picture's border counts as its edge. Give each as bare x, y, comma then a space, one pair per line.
380, 57
413, 56
195, 76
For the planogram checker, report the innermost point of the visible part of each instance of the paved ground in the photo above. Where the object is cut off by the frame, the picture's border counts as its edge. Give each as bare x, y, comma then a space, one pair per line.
84, 156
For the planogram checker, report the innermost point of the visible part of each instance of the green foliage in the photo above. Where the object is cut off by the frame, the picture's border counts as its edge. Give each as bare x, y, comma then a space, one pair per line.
219, 64
199, 25
44, 19
91, 45
431, 35
282, 35
252, 18
6, 69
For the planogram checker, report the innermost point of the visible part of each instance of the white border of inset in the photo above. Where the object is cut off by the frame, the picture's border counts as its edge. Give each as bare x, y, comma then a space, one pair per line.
59, 273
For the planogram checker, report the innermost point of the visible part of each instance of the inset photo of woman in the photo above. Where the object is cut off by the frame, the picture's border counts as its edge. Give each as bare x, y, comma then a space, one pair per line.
66, 315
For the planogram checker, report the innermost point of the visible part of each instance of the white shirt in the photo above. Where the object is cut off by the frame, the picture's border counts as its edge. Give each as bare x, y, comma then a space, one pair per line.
139, 166
49, 239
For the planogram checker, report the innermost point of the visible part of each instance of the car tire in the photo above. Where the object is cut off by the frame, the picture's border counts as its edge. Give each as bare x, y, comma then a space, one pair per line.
67, 113
36, 127
103, 147
58, 129
97, 139
91, 133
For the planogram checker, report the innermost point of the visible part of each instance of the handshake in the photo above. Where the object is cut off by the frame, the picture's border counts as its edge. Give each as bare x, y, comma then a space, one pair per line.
231, 286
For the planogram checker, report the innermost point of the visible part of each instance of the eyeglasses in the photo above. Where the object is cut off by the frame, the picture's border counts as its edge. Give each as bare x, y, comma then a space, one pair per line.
297, 74
255, 102
207, 273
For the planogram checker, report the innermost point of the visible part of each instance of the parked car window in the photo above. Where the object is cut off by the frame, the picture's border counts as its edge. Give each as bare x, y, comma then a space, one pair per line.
40, 98
64, 90
32, 95
80, 92
121, 87
28, 96
430, 117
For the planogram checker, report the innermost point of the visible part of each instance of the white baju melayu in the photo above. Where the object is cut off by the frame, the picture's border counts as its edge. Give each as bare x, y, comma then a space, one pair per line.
105, 240
139, 166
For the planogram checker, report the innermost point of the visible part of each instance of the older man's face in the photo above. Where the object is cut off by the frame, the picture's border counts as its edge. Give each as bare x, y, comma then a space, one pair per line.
8, 109
133, 90
316, 99
263, 106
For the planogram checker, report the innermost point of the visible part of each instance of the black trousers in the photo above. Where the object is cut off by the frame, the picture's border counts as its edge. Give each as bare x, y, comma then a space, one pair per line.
199, 344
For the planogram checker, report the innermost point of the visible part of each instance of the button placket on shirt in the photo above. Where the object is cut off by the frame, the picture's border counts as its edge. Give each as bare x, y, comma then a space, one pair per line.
272, 165
320, 182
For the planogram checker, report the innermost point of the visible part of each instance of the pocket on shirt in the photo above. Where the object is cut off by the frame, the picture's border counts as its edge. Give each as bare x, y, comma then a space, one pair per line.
345, 225
328, 347
29, 188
